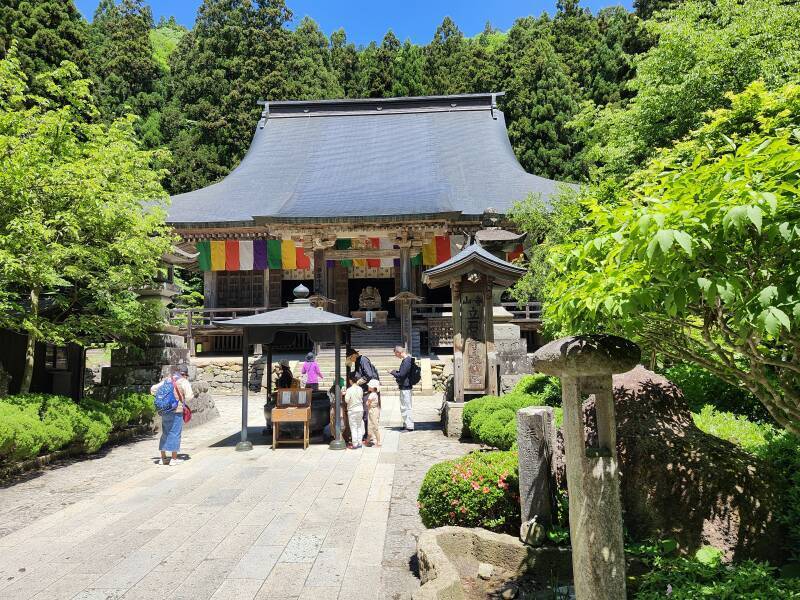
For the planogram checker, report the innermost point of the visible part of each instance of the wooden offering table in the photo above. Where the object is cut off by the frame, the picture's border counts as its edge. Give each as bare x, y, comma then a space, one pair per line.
293, 406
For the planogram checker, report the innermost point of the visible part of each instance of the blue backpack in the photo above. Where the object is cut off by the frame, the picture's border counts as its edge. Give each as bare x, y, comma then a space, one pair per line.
165, 399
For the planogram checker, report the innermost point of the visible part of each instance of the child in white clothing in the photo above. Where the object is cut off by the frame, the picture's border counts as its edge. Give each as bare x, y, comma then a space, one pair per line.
354, 399
374, 411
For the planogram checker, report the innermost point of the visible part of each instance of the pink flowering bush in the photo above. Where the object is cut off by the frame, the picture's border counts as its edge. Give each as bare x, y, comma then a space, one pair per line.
480, 489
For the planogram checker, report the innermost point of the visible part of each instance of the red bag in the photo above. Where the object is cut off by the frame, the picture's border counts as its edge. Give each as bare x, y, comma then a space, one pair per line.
187, 413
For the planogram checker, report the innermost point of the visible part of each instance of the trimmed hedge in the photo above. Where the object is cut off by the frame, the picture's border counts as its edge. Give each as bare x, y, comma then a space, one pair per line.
34, 424
491, 420
480, 489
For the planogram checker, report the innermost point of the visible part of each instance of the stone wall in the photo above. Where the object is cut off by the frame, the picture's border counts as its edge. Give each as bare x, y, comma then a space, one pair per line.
224, 374
441, 371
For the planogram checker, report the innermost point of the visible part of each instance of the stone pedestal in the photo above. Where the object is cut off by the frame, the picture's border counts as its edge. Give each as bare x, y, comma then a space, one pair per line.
135, 369
452, 419
536, 439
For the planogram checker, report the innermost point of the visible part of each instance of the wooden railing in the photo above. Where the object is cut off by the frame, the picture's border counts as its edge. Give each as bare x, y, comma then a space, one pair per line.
525, 312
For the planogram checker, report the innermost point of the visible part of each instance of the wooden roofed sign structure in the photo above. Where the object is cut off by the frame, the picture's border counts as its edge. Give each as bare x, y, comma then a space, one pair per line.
472, 275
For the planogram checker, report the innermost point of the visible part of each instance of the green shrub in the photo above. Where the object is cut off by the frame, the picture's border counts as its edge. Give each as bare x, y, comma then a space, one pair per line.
736, 429
700, 388
689, 579
494, 429
22, 435
547, 388
493, 420
480, 489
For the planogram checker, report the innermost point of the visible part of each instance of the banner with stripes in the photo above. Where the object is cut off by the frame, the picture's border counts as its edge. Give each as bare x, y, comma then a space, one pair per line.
258, 255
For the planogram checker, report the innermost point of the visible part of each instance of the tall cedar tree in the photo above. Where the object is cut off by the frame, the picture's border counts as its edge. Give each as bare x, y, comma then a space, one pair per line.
409, 79
344, 61
128, 78
46, 32
541, 100
236, 55
647, 8
310, 62
445, 60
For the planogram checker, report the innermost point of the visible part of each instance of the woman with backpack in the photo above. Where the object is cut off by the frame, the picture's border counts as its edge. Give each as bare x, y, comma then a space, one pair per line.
171, 396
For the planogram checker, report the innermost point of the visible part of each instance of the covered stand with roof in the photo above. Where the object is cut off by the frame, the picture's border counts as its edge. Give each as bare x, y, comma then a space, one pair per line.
298, 317
472, 275
346, 195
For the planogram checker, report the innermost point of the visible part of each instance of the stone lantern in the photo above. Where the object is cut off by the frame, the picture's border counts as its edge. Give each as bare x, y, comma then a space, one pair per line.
585, 365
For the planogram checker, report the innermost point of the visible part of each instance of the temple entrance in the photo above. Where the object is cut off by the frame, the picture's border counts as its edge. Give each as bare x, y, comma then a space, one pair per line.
377, 297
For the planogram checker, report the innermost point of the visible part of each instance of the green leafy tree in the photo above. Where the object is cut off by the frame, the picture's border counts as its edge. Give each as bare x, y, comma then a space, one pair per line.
81, 223
698, 256
165, 39
377, 67
704, 50
645, 9
540, 102
46, 33
409, 68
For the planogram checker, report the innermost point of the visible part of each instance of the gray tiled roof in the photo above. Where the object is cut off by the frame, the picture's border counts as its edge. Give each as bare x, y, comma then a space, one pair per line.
369, 158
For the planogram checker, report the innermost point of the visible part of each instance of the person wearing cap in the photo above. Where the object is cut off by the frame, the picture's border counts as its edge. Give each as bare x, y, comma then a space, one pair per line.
310, 374
364, 371
374, 416
172, 422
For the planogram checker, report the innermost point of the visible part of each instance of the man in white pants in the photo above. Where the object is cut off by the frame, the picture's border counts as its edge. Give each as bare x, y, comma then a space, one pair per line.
404, 375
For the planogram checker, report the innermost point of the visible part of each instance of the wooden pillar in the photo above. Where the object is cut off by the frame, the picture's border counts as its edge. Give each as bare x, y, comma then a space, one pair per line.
458, 343
210, 289
337, 443
320, 273
405, 268
244, 444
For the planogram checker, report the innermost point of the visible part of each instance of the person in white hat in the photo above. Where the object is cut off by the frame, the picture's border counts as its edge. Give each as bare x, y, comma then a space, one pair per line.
374, 408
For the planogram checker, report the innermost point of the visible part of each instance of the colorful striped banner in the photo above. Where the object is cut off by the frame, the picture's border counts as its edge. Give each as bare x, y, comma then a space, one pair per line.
259, 255
515, 253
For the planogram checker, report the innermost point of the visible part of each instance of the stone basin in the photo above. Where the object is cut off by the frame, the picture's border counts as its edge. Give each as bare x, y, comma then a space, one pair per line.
450, 559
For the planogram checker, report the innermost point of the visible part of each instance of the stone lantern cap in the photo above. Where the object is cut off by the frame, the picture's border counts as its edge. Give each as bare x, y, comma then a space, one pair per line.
587, 355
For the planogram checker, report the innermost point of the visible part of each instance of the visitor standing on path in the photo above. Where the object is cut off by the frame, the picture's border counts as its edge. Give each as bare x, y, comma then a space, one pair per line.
405, 377
364, 371
310, 374
354, 399
171, 396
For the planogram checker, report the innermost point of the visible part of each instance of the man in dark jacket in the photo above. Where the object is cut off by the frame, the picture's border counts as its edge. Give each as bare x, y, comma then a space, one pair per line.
363, 371
403, 376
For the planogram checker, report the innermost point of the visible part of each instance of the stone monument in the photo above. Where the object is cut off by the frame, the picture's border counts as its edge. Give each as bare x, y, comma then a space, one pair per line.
585, 365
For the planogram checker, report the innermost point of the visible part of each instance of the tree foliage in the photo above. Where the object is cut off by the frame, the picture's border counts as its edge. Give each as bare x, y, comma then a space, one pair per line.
698, 255
705, 49
81, 223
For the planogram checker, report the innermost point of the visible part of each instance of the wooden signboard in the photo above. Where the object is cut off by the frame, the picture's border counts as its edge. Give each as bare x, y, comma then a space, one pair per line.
472, 328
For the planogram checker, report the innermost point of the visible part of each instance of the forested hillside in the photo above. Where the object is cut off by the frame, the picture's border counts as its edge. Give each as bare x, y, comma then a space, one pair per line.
574, 104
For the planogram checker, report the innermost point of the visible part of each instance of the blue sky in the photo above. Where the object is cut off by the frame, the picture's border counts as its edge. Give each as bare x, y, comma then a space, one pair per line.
366, 20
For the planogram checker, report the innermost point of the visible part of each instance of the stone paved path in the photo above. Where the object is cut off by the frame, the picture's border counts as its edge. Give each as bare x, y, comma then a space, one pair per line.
254, 525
